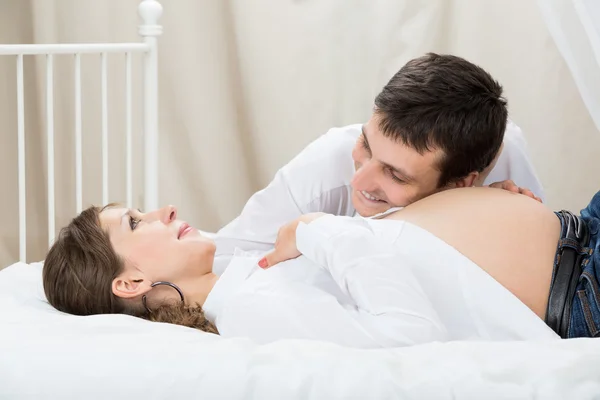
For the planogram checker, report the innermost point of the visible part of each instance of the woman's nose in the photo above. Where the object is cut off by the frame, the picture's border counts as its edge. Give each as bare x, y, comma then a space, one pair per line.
168, 214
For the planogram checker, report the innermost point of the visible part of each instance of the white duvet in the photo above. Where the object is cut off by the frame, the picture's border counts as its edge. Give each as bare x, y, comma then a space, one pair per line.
47, 354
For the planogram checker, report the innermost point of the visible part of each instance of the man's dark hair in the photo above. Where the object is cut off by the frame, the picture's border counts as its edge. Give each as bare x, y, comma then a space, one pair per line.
445, 102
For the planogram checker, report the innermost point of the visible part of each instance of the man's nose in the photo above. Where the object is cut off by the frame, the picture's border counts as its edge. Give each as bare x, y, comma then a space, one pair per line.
365, 177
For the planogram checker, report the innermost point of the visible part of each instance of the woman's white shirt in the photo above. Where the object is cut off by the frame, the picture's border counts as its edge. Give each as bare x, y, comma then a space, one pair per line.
368, 283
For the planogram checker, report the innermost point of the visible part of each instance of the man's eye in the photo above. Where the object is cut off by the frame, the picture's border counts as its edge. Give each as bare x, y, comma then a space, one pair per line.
365, 145
394, 177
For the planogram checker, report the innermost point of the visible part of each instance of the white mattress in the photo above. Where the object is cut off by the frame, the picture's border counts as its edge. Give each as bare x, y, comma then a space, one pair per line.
47, 354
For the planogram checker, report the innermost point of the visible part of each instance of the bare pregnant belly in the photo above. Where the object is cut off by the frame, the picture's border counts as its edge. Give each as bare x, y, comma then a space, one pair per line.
510, 236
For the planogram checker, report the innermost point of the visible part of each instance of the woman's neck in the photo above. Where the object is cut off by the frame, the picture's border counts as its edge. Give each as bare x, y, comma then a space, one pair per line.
199, 289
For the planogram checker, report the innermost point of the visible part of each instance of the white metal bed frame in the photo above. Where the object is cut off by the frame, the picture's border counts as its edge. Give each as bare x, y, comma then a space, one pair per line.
150, 11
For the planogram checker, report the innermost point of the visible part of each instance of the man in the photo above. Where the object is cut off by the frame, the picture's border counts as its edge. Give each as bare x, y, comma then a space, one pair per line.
439, 123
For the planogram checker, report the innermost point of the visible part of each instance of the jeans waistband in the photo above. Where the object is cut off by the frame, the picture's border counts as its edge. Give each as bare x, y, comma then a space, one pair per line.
571, 249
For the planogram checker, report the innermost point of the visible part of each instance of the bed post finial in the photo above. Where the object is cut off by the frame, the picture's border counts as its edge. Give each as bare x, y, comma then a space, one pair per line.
150, 11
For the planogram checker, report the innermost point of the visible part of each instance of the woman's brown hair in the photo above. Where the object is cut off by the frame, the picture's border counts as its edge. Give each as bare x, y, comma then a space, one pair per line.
78, 273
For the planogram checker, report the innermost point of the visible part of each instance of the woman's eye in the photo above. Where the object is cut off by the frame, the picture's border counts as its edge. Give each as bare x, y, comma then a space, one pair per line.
133, 223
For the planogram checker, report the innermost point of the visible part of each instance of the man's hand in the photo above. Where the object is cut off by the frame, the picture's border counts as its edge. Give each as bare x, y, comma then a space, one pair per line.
512, 187
285, 244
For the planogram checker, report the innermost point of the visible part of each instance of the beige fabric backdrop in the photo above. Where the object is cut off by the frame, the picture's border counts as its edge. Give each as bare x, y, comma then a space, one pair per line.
245, 85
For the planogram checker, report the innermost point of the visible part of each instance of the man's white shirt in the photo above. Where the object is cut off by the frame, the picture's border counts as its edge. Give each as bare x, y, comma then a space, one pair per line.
318, 180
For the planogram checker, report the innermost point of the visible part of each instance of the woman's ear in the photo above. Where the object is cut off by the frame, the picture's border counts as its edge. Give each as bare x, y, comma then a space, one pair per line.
129, 286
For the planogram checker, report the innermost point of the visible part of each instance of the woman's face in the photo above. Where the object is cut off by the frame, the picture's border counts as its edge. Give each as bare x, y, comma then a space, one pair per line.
156, 247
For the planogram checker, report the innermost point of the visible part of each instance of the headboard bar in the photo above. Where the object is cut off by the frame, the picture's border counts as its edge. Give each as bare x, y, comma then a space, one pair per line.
71, 48
128, 130
78, 137
50, 145
21, 156
150, 11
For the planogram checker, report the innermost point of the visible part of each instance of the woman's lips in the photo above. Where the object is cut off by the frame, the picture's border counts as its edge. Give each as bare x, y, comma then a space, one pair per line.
184, 230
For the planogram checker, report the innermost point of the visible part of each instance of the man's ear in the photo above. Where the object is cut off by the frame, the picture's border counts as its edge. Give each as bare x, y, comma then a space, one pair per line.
470, 180
130, 284
484, 174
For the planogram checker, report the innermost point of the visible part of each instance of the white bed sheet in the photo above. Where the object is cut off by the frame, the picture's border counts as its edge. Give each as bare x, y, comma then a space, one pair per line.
47, 354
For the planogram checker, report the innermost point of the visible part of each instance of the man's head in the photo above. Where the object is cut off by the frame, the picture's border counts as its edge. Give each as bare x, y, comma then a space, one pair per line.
437, 124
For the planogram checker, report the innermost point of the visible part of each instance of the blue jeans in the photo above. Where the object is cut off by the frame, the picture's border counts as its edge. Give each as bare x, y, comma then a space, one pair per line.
585, 311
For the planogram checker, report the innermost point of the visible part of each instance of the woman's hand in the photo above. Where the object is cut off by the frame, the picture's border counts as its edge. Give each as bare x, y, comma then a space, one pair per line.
285, 244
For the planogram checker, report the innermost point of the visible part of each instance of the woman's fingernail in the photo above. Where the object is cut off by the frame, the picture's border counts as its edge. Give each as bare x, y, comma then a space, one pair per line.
263, 263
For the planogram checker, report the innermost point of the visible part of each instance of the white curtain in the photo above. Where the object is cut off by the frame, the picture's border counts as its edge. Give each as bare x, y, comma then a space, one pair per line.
575, 26
245, 85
